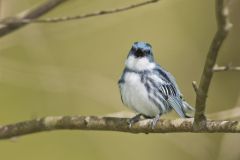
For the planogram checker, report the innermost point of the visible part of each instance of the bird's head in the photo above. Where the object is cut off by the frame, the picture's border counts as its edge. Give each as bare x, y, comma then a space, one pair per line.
140, 57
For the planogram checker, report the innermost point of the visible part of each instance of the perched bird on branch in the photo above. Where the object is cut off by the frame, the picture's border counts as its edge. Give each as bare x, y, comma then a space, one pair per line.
147, 88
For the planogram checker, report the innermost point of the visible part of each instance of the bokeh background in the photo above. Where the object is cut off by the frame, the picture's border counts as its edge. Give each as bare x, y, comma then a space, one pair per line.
72, 68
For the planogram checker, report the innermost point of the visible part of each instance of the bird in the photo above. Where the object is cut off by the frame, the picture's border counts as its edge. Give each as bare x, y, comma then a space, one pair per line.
147, 88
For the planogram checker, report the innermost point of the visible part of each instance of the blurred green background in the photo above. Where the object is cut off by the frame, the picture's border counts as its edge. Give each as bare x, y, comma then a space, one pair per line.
72, 68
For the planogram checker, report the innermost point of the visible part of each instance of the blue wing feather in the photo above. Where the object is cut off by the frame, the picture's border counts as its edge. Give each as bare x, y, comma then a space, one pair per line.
169, 88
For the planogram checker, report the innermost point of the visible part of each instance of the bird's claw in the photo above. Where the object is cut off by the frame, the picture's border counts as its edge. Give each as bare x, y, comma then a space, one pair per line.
154, 121
134, 120
129, 124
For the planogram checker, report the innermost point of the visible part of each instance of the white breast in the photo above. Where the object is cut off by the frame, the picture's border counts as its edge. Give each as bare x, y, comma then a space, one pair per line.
135, 96
139, 64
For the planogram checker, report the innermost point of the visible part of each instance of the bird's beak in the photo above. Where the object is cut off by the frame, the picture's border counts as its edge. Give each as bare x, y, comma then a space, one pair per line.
139, 53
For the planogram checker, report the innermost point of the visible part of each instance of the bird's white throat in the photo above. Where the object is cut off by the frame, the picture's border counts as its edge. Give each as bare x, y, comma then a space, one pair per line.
139, 64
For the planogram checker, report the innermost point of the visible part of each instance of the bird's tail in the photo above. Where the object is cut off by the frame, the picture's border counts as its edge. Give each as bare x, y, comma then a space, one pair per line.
188, 109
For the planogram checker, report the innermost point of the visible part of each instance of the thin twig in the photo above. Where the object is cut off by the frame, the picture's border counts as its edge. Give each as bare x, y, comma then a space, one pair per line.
228, 67
233, 113
195, 87
224, 27
88, 15
11, 24
112, 124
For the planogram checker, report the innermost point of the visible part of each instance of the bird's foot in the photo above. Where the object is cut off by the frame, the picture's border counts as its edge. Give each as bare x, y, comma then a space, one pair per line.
154, 121
133, 120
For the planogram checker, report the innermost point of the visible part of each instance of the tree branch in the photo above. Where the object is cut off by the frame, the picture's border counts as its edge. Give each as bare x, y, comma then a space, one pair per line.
233, 113
195, 87
112, 124
88, 15
11, 24
223, 27
228, 67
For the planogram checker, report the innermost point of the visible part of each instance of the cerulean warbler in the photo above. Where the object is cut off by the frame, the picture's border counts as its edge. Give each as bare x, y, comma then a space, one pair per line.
149, 89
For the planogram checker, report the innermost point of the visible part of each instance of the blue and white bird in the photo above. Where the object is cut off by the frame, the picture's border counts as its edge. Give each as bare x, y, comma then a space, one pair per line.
147, 88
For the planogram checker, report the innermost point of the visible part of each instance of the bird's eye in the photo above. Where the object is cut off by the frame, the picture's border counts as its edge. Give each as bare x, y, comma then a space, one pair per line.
148, 52
134, 49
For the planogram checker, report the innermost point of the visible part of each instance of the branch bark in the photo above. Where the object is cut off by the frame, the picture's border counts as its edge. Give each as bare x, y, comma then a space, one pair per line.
11, 24
112, 124
223, 27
